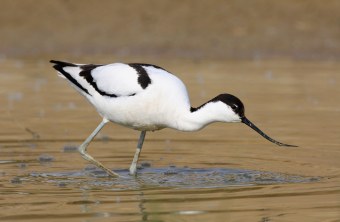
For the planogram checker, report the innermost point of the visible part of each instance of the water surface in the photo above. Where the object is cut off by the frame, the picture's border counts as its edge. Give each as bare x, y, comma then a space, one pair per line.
225, 172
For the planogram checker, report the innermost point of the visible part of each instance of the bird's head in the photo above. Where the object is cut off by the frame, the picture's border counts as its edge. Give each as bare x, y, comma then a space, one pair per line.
231, 109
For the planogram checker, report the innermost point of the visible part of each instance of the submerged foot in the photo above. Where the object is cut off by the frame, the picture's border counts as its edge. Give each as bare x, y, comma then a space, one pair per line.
133, 170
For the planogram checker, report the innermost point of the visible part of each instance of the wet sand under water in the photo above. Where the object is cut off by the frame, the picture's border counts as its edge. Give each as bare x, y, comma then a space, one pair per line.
225, 172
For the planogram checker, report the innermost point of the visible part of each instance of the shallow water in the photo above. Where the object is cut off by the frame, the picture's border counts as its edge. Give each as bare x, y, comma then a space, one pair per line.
225, 172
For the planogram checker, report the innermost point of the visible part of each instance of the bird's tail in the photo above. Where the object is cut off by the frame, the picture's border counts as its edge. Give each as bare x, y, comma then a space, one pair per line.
70, 71
63, 64
60, 65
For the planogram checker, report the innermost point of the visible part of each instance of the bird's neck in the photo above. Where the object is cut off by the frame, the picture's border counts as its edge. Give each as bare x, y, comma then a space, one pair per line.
196, 118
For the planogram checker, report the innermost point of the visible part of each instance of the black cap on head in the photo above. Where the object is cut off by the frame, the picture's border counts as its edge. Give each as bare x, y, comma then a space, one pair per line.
232, 101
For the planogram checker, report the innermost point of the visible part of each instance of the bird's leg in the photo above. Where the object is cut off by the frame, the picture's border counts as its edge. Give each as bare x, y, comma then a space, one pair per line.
133, 167
86, 156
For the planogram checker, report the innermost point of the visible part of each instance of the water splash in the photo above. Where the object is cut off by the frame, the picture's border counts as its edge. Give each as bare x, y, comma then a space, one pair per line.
91, 177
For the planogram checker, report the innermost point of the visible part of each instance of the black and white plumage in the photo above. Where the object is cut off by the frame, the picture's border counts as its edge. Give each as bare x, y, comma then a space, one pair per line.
146, 98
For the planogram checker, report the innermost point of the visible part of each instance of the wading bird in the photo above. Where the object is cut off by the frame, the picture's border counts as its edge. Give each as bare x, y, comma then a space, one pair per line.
146, 97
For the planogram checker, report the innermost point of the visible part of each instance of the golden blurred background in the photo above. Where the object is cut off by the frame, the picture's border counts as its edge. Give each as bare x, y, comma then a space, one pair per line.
237, 29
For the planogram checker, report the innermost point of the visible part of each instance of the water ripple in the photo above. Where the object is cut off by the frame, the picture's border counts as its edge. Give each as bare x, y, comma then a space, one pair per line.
169, 177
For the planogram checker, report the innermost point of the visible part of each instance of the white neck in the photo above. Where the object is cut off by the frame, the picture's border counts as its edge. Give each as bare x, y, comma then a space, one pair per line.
209, 113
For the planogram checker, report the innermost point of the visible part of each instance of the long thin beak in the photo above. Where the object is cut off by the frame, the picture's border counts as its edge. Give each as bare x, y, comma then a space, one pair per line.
251, 125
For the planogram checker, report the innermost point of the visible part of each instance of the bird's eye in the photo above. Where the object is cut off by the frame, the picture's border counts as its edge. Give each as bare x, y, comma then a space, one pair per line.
234, 107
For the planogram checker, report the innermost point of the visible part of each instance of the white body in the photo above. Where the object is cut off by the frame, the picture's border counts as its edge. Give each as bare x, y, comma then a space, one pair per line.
163, 103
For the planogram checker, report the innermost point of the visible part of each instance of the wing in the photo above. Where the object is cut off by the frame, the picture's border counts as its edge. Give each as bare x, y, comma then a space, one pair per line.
112, 80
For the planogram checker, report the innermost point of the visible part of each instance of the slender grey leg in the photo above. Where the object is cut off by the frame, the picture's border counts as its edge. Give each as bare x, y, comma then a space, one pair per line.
133, 167
82, 149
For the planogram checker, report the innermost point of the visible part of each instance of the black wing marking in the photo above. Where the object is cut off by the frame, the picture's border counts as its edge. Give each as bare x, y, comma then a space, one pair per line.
63, 64
143, 77
59, 66
146, 64
86, 73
